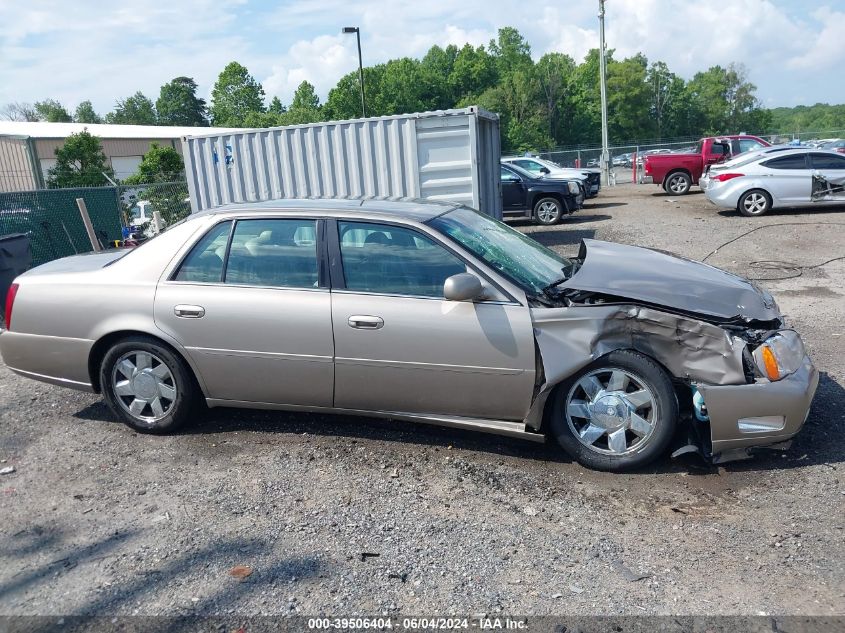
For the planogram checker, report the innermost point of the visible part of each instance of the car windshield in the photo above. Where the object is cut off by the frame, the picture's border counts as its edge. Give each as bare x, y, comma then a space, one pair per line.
521, 172
528, 264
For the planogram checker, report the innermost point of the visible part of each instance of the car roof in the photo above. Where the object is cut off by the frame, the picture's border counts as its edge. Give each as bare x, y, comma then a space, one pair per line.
410, 208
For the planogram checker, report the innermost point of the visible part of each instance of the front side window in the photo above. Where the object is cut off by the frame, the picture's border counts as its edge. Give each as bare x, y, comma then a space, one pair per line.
827, 161
394, 260
274, 252
795, 161
717, 149
515, 255
204, 264
508, 176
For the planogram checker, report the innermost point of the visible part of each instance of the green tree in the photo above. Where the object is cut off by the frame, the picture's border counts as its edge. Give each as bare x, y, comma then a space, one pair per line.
52, 111
276, 106
85, 113
473, 72
80, 162
235, 95
554, 72
628, 99
159, 164
135, 110
510, 50
437, 67
178, 104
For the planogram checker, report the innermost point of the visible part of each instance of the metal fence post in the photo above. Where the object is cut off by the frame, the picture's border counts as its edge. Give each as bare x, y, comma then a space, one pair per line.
89, 227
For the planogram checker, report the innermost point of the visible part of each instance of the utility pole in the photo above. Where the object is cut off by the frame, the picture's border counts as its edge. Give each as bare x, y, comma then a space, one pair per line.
605, 153
357, 31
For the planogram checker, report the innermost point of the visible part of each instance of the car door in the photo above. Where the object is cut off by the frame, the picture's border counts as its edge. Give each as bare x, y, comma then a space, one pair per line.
513, 190
831, 168
788, 178
401, 347
253, 311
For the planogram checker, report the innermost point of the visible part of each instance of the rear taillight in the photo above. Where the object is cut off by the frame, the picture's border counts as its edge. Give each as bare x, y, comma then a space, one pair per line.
724, 177
647, 166
841, 150
10, 301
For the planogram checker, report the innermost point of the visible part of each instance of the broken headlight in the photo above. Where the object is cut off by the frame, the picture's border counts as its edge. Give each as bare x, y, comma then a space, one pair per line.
574, 189
779, 355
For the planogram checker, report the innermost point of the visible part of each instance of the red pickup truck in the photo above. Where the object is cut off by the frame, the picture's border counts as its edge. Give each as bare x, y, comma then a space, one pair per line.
676, 173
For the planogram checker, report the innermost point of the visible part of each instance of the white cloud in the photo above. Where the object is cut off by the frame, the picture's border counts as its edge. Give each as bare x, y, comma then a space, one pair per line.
100, 51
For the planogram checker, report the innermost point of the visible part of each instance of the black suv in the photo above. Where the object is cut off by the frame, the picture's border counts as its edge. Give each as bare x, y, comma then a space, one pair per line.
544, 200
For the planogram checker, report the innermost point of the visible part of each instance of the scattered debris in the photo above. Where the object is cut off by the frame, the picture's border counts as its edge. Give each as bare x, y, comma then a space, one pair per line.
532, 512
403, 576
161, 517
627, 574
8, 470
78, 497
366, 555
575, 589
86, 511
240, 572
557, 596
679, 510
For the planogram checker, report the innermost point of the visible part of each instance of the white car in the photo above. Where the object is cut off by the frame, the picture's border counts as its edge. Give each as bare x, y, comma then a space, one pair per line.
757, 182
591, 178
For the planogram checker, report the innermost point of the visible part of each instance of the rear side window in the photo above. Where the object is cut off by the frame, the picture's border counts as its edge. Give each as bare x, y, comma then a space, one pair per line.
828, 161
747, 145
717, 149
394, 260
529, 165
795, 161
277, 253
204, 264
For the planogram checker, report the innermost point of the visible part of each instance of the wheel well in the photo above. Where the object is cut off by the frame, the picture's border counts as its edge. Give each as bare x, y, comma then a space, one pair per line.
548, 405
753, 189
685, 172
102, 346
554, 196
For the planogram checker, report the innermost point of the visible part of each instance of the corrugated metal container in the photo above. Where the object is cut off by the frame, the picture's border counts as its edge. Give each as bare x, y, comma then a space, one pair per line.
446, 155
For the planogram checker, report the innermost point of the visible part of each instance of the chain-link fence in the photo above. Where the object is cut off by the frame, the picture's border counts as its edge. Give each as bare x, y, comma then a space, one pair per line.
51, 219
139, 202
53, 223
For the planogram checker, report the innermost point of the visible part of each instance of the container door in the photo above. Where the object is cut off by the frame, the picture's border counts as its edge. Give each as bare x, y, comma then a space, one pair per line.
401, 347
260, 330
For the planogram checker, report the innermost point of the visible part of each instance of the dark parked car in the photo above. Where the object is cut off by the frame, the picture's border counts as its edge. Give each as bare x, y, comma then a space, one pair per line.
544, 200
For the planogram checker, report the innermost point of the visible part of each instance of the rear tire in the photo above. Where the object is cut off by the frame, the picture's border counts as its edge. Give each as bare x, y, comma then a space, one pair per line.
147, 386
548, 211
754, 203
617, 414
677, 183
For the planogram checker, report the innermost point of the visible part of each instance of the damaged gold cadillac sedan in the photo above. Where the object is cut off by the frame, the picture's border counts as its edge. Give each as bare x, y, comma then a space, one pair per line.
423, 312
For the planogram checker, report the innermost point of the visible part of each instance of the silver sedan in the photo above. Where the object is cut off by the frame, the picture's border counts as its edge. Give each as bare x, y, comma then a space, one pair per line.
422, 312
757, 182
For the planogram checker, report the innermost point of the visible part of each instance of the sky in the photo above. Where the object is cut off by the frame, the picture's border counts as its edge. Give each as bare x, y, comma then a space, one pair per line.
794, 50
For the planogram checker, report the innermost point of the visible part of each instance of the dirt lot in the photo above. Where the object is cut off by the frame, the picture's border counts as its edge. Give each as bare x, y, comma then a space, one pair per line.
341, 515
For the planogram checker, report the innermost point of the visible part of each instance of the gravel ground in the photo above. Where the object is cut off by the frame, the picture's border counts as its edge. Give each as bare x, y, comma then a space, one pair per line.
351, 515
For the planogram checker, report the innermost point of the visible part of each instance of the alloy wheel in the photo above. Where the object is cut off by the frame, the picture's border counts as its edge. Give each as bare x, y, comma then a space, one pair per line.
755, 203
611, 411
547, 211
678, 184
144, 386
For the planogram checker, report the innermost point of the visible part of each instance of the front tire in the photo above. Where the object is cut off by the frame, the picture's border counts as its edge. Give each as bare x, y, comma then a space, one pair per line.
548, 211
147, 386
754, 203
617, 414
677, 183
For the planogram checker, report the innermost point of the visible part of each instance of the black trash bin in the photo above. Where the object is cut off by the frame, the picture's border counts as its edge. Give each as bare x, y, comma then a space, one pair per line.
15, 258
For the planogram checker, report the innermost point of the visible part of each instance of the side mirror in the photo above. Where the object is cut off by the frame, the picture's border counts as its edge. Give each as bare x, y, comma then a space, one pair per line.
545, 170
462, 287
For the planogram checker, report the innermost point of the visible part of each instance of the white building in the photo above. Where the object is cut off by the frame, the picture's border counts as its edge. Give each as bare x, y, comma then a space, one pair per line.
28, 149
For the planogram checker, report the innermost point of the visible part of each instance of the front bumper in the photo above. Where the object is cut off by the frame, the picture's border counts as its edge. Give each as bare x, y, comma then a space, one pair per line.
760, 414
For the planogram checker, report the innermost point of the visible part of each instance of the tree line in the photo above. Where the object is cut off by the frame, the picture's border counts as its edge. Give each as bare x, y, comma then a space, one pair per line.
551, 102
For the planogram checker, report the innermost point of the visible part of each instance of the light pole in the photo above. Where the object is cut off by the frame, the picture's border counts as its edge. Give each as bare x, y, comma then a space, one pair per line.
357, 31
605, 153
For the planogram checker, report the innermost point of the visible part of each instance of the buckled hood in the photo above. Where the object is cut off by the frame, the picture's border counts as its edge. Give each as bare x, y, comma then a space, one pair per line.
663, 279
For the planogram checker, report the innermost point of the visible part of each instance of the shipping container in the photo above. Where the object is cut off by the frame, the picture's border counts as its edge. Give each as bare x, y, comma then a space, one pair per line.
448, 155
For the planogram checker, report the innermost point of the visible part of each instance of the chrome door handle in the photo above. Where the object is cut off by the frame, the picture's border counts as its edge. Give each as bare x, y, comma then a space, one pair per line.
189, 312
364, 322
